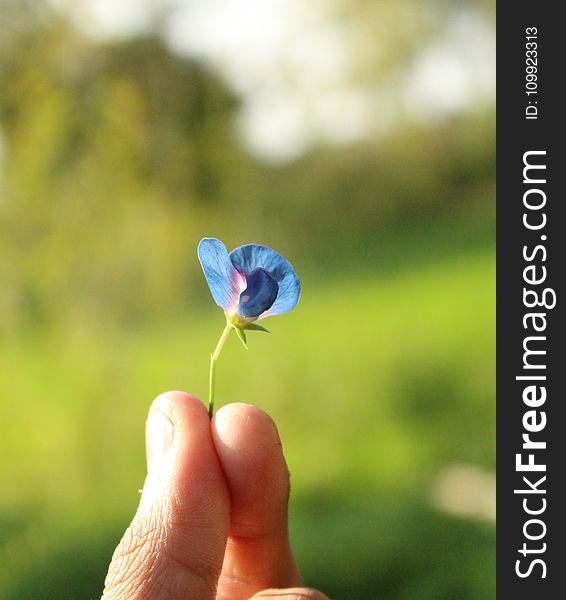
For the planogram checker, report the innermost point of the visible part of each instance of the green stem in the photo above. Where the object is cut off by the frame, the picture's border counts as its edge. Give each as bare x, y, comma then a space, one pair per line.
213, 358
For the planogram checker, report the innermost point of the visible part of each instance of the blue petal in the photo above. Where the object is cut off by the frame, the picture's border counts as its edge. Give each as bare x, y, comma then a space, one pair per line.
252, 256
221, 276
259, 295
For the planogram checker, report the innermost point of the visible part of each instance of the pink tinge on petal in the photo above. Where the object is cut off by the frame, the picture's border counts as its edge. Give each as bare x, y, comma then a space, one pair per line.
240, 285
240, 282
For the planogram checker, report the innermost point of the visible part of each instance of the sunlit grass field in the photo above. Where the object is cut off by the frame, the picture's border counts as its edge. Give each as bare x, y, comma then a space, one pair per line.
376, 383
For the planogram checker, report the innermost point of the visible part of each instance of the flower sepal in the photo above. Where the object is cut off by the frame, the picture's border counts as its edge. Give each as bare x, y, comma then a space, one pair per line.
256, 327
242, 337
240, 327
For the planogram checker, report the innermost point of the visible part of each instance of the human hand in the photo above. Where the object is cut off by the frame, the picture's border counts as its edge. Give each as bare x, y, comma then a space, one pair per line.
212, 519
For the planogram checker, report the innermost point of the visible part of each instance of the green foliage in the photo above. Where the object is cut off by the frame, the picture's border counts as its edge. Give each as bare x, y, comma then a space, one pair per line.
366, 420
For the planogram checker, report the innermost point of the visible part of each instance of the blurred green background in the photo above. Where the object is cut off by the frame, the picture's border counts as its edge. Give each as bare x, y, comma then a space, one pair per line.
357, 138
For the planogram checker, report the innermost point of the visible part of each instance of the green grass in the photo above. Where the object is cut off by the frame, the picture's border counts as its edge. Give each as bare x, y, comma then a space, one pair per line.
375, 383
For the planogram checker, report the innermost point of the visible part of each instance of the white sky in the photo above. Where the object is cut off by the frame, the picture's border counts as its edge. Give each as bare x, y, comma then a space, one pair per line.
292, 65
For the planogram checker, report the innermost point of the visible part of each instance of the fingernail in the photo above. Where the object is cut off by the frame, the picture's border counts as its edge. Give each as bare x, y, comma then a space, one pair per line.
159, 437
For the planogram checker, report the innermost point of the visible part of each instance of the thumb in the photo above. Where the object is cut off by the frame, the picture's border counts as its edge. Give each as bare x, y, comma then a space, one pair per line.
290, 594
175, 544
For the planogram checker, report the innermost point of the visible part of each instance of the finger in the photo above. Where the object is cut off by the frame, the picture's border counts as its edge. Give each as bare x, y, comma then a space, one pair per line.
290, 594
175, 545
258, 554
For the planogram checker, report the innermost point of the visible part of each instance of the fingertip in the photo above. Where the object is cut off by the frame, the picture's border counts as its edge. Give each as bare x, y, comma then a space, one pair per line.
247, 440
234, 421
173, 403
180, 452
249, 448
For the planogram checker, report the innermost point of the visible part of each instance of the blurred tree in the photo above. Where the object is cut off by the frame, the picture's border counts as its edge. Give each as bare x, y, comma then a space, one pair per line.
110, 153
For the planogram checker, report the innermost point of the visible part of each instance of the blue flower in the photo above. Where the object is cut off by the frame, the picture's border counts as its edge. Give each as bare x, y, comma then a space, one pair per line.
250, 283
